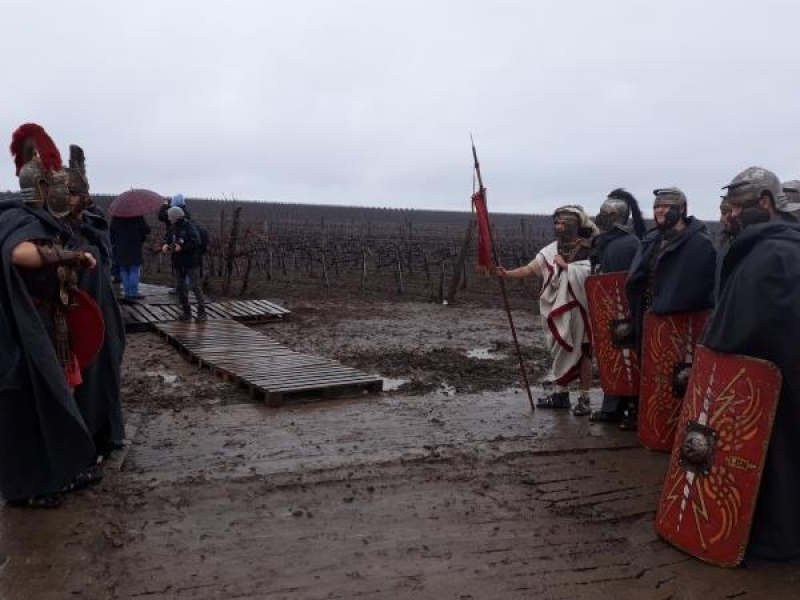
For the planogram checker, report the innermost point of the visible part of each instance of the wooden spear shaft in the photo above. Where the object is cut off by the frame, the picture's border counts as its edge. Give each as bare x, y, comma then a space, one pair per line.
502, 283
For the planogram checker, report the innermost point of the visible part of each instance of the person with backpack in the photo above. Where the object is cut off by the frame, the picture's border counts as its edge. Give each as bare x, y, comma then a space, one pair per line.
184, 241
179, 201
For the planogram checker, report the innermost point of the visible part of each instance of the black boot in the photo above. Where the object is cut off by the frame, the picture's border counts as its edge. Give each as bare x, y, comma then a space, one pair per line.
554, 400
583, 407
630, 419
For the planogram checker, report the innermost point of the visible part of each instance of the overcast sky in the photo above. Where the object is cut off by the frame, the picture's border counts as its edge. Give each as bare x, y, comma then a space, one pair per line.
372, 102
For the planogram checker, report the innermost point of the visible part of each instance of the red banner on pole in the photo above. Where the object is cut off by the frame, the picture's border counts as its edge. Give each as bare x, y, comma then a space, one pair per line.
484, 233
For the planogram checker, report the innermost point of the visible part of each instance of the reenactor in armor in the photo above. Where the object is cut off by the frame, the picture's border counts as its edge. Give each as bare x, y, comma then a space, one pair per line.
98, 397
670, 286
564, 265
613, 251
735, 457
45, 448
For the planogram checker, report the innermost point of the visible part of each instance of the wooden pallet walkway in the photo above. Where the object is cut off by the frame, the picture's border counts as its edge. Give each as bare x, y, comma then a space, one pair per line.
269, 370
159, 305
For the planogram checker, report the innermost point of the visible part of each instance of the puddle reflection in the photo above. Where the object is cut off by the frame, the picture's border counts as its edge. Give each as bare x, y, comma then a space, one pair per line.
486, 354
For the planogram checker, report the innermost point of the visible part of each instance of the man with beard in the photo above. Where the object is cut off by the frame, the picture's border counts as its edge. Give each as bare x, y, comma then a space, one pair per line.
724, 239
45, 448
613, 250
673, 270
98, 397
564, 266
758, 315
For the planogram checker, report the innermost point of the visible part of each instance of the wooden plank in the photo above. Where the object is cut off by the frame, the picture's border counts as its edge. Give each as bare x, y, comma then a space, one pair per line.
321, 386
296, 373
235, 310
289, 383
215, 311
275, 398
247, 309
258, 362
272, 307
283, 383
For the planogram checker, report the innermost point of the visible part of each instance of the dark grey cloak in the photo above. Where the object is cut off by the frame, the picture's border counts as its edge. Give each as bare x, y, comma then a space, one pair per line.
758, 314
44, 441
98, 397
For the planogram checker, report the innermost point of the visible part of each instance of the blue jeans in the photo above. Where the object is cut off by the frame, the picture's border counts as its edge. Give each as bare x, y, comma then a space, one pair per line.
130, 279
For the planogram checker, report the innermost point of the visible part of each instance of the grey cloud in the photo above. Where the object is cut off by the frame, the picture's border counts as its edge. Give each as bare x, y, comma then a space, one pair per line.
358, 102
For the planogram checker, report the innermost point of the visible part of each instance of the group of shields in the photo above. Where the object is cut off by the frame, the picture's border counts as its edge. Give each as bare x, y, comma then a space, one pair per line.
713, 412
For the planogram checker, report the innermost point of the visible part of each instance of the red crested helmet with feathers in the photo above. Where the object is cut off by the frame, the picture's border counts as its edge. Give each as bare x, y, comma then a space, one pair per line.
31, 139
42, 179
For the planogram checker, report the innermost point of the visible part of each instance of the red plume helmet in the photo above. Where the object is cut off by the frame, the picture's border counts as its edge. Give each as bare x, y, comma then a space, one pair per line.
30, 138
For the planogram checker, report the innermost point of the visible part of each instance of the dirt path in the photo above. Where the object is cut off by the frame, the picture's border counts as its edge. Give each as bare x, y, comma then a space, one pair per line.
447, 487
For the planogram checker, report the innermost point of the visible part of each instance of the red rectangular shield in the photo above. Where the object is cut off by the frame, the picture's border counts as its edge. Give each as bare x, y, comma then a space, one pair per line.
612, 333
668, 343
710, 492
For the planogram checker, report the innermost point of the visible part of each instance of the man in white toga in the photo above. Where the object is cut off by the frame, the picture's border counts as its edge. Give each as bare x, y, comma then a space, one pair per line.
564, 266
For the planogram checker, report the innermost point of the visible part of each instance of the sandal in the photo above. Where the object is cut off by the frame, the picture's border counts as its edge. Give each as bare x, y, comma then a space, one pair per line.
42, 501
84, 479
554, 400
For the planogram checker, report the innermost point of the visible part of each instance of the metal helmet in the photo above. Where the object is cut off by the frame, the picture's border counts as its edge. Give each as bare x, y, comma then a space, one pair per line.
78, 182
675, 201
43, 182
617, 208
583, 226
574, 210
791, 192
669, 195
749, 186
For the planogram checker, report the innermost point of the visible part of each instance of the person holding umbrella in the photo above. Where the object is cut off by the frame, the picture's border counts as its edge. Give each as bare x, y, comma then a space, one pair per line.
127, 236
129, 230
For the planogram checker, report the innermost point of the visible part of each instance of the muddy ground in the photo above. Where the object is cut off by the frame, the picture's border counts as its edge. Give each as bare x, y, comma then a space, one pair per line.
445, 486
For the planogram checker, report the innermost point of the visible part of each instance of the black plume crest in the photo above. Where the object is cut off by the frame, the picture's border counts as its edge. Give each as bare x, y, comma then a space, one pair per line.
77, 159
636, 214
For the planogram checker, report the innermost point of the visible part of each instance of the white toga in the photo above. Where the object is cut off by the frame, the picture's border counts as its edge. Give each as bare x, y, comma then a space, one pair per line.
564, 312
